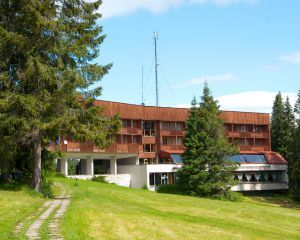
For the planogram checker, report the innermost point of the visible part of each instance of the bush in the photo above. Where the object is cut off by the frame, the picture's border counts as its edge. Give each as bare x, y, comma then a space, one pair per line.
100, 179
46, 184
169, 188
229, 196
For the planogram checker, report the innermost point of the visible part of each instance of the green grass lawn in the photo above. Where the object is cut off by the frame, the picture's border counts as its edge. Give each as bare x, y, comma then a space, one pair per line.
16, 205
106, 211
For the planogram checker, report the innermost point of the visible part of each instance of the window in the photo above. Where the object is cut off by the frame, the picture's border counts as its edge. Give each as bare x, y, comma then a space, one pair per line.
134, 139
165, 126
242, 141
236, 128
149, 128
156, 179
149, 147
124, 138
179, 140
260, 128
179, 126
126, 123
169, 141
226, 128
151, 179
259, 142
134, 123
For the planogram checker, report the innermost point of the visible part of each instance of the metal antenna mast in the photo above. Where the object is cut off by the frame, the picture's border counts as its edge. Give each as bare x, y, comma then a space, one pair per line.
155, 37
143, 103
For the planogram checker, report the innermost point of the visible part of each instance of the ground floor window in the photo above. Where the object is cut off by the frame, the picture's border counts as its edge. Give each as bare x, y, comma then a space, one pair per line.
156, 179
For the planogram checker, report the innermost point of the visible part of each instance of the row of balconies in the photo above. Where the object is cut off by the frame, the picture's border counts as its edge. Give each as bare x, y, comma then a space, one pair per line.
139, 131
247, 134
134, 148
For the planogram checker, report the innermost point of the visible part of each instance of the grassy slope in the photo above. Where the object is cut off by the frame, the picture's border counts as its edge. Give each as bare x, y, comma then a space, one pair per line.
105, 211
16, 206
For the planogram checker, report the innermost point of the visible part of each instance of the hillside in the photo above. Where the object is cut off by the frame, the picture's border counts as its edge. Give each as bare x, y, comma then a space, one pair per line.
106, 211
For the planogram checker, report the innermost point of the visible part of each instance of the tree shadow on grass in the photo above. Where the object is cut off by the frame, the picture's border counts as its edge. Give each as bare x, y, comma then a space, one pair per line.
12, 186
280, 198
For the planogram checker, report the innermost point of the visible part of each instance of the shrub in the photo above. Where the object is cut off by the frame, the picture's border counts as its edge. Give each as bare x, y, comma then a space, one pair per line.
169, 188
100, 179
229, 196
46, 184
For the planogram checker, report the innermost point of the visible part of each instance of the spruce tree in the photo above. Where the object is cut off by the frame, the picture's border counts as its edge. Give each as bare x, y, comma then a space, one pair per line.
295, 164
290, 126
48, 75
278, 126
206, 172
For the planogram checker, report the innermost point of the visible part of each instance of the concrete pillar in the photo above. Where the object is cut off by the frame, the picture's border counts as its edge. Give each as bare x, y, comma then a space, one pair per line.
64, 166
83, 167
113, 165
137, 161
90, 165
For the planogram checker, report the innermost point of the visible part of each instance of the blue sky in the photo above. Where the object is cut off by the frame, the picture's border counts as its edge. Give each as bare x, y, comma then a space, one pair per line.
247, 50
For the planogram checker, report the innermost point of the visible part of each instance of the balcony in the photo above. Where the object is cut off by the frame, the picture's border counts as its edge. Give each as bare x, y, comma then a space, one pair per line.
254, 148
91, 148
131, 131
124, 148
172, 133
147, 155
172, 147
247, 134
148, 140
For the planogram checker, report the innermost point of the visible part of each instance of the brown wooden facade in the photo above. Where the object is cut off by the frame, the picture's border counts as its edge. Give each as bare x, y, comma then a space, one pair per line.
154, 132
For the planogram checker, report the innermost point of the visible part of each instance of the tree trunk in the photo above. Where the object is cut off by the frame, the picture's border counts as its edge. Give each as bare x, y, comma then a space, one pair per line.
37, 158
5, 169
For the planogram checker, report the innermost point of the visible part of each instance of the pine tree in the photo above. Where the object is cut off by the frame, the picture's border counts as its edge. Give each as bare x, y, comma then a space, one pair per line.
278, 126
290, 127
297, 108
206, 172
47, 74
295, 163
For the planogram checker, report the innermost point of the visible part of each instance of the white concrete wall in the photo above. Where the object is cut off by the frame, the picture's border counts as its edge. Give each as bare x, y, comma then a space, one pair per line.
157, 168
138, 174
119, 179
262, 167
259, 186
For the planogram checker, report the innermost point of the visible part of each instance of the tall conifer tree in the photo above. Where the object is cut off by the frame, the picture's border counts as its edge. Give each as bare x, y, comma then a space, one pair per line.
47, 74
290, 126
205, 171
278, 125
295, 164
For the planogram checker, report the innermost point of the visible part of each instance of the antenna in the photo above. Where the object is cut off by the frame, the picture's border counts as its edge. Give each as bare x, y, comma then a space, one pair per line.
155, 37
143, 100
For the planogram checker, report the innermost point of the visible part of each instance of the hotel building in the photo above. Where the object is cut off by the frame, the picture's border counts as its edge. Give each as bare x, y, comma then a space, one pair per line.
147, 150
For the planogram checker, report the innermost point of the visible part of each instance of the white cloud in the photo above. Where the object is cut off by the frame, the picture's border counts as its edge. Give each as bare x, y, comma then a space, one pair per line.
213, 78
252, 101
293, 57
111, 8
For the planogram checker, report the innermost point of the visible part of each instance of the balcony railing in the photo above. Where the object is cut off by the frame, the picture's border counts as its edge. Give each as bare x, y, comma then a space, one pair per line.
149, 140
171, 147
131, 130
247, 134
90, 148
254, 148
172, 132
